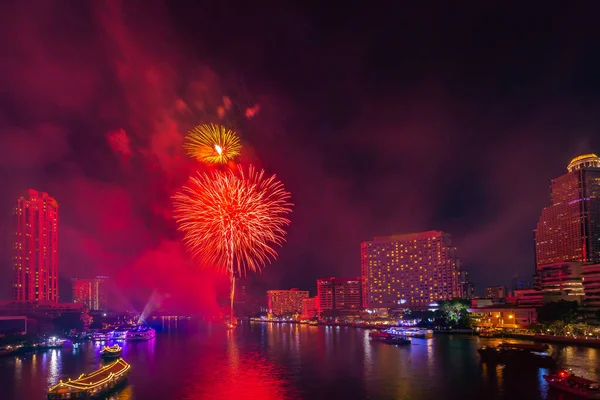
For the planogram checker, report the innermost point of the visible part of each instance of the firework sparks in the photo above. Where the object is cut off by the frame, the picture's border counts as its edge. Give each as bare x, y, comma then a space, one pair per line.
212, 144
233, 219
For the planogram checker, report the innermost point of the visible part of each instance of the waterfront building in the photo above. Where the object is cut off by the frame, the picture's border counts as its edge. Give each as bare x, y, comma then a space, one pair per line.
503, 316
526, 298
339, 294
412, 270
561, 281
569, 228
35, 248
92, 293
591, 288
495, 292
280, 302
310, 307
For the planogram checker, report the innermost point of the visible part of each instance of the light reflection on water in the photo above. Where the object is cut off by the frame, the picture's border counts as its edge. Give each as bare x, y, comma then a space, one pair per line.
287, 361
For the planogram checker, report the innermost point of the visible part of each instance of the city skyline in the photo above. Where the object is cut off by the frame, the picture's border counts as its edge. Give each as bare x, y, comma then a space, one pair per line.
375, 131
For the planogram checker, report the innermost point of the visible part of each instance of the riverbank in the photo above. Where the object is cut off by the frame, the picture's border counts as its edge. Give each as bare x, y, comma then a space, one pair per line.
591, 342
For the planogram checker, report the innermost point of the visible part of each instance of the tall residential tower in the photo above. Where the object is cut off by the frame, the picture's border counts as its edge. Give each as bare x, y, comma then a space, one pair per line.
35, 259
569, 229
411, 270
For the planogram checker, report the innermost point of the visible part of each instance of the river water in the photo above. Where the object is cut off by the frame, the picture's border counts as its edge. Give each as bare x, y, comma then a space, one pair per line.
285, 361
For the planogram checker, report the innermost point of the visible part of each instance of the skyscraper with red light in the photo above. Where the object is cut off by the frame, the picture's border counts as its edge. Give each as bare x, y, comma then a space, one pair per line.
569, 229
35, 258
339, 294
412, 270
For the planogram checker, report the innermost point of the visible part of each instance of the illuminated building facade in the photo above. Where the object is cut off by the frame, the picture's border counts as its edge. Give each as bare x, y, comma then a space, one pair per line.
569, 229
411, 270
467, 288
339, 294
280, 302
91, 293
561, 281
591, 288
35, 257
495, 292
310, 307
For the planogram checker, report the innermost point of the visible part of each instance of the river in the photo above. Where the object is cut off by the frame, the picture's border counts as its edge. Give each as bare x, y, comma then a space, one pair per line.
288, 361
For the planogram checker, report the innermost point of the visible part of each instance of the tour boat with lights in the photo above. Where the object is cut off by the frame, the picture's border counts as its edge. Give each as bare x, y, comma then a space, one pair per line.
517, 353
111, 352
390, 338
99, 336
118, 334
411, 332
563, 380
141, 332
92, 385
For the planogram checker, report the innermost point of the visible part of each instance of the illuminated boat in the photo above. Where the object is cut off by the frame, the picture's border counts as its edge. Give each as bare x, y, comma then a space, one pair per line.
411, 332
99, 336
93, 385
118, 334
390, 338
577, 385
111, 352
517, 353
141, 332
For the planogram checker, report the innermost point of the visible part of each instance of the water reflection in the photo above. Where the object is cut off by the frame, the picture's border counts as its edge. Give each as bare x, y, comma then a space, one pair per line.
238, 376
285, 361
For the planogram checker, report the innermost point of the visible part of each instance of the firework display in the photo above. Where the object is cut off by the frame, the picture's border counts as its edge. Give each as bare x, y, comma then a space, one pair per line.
212, 144
232, 219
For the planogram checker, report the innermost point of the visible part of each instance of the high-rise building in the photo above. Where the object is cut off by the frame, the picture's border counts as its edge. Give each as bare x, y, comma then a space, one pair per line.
467, 288
339, 294
92, 293
35, 258
495, 292
411, 270
569, 229
280, 302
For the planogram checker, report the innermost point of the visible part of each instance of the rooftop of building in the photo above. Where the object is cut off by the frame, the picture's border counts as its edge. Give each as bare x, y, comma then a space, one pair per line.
409, 236
583, 161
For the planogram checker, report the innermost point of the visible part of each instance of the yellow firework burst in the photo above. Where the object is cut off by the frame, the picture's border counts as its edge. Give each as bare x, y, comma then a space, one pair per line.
212, 144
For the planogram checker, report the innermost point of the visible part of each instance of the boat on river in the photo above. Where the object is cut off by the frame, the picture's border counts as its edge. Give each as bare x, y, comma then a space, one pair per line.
141, 332
111, 351
517, 353
92, 385
390, 338
582, 387
411, 332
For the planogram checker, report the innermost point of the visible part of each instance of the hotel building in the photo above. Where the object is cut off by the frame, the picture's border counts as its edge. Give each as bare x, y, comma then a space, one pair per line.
339, 294
35, 249
412, 270
91, 292
280, 302
569, 229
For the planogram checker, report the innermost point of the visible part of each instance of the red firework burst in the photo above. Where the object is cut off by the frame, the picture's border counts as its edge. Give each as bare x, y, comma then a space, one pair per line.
231, 219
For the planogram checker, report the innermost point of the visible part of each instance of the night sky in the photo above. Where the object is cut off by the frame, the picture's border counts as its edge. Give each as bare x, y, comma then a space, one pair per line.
379, 120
